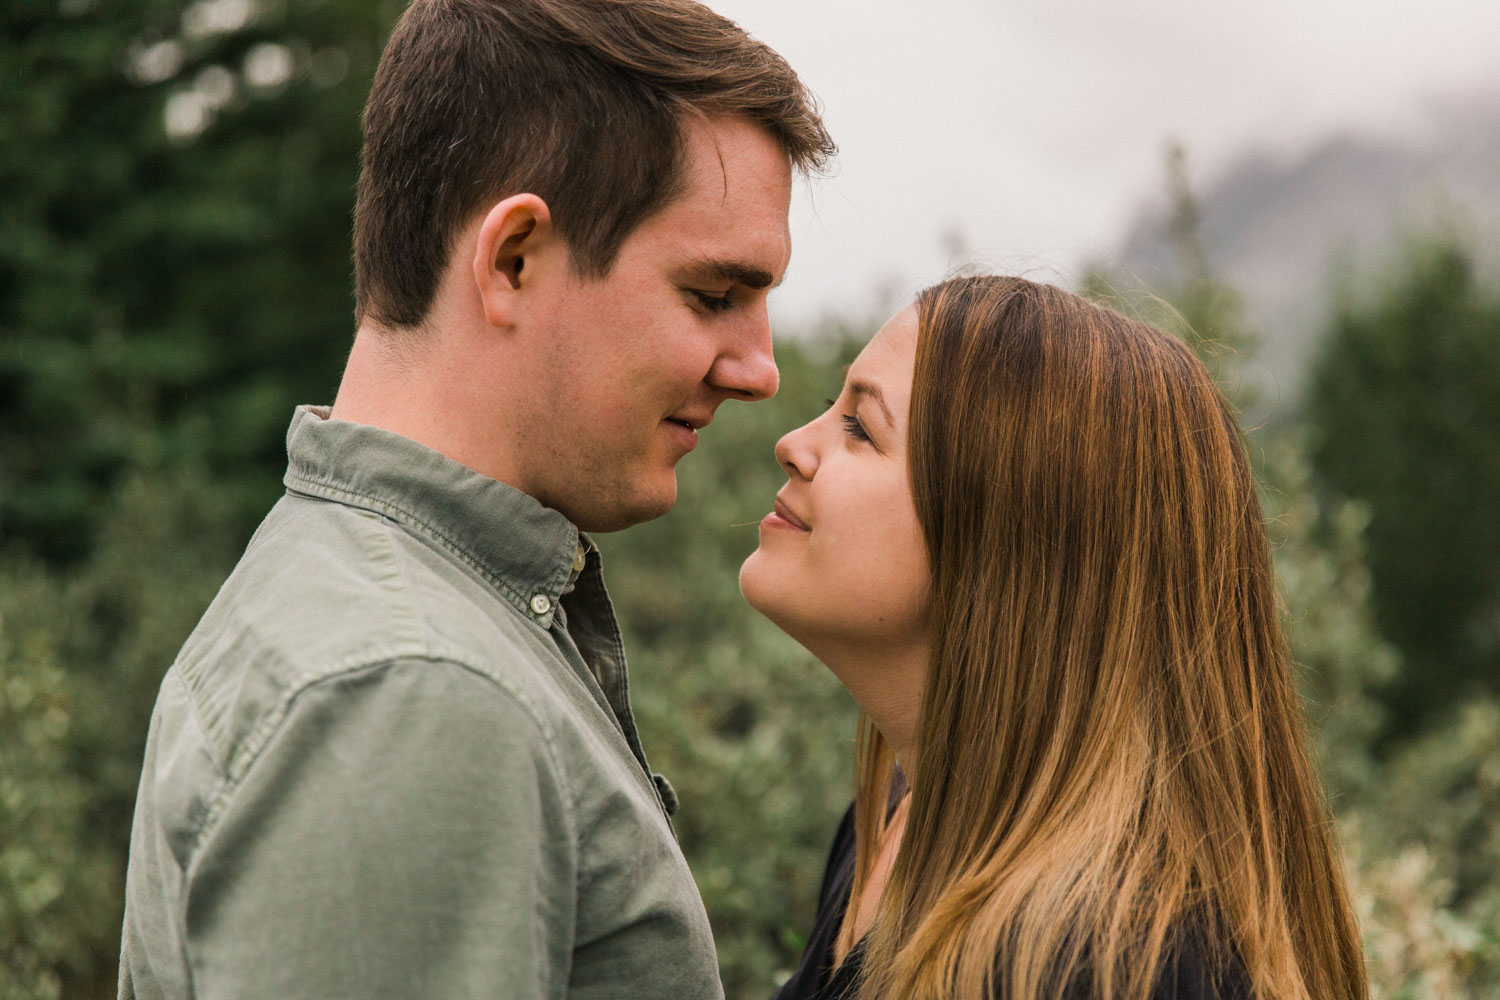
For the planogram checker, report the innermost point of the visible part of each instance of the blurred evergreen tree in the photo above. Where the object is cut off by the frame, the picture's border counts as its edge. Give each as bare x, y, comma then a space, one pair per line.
1404, 405
177, 182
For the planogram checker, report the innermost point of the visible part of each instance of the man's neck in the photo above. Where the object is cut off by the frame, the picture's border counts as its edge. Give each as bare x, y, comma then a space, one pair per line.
413, 383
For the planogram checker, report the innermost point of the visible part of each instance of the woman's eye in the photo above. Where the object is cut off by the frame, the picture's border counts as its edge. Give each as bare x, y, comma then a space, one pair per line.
853, 427
713, 303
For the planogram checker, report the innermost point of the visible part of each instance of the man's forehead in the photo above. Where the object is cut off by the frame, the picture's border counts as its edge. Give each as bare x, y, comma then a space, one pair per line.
751, 247
721, 151
722, 247
729, 222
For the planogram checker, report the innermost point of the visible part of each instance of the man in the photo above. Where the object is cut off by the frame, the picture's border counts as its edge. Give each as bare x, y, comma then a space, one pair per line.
397, 757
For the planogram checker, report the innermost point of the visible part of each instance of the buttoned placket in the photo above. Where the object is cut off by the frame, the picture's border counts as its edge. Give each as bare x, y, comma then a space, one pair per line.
604, 669
511, 545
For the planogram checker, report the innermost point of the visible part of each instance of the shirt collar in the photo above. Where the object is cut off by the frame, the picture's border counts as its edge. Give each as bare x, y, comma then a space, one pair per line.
525, 550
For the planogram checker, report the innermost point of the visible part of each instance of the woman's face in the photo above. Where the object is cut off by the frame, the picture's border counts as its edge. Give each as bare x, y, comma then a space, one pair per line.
841, 561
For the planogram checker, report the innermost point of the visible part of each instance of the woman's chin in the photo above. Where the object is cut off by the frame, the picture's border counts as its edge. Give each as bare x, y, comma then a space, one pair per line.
765, 590
753, 586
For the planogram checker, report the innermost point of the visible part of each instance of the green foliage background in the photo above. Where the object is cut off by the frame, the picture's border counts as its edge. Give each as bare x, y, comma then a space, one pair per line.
1405, 406
167, 296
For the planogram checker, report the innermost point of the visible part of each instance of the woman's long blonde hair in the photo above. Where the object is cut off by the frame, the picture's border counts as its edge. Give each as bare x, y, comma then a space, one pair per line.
1111, 751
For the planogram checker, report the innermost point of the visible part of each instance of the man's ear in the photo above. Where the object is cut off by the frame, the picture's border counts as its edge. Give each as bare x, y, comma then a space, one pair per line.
510, 236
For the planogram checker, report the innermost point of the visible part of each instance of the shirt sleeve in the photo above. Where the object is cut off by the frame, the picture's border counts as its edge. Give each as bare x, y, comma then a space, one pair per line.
406, 831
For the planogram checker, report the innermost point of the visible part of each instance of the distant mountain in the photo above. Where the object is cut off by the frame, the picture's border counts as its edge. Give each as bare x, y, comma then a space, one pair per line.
1279, 230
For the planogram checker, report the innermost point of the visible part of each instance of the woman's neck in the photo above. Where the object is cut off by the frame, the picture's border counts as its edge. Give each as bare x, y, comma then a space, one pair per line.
887, 684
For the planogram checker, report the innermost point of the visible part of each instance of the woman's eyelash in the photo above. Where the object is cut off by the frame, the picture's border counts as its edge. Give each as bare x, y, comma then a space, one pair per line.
852, 426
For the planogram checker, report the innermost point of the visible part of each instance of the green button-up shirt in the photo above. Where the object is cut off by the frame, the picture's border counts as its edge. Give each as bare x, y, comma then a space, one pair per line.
397, 759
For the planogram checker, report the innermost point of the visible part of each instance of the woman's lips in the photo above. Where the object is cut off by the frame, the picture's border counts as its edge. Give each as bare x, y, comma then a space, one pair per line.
782, 517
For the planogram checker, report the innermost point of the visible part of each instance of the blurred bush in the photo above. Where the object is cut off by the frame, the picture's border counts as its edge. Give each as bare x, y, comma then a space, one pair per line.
82, 651
51, 895
174, 277
1425, 850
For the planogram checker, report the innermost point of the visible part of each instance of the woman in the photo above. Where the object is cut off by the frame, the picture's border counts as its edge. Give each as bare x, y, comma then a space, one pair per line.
1027, 539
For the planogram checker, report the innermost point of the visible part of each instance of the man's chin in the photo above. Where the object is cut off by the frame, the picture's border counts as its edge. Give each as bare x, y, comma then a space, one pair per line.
621, 509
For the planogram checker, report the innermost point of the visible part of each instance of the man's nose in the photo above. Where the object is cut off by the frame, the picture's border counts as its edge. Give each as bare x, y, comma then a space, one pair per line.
746, 369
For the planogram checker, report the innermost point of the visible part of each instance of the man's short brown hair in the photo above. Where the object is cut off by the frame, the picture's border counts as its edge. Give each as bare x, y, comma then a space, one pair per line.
577, 101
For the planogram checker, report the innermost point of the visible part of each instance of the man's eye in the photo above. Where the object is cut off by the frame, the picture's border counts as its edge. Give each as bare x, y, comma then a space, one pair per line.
711, 302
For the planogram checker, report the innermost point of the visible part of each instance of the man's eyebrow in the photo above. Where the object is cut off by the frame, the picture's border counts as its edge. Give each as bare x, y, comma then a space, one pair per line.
737, 272
860, 387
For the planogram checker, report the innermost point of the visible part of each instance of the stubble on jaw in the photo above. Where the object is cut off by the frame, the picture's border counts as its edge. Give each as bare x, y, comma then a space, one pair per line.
600, 493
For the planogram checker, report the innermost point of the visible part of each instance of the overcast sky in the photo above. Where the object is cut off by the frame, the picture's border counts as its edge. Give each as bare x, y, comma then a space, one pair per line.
1035, 128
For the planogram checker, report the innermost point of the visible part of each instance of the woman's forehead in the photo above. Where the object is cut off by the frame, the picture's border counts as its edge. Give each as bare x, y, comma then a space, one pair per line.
891, 351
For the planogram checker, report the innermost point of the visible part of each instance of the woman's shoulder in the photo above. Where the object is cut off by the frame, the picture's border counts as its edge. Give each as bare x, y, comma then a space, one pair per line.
1196, 966
1198, 969
840, 866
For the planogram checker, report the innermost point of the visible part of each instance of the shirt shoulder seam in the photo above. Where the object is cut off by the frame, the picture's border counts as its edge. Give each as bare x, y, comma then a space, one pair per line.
339, 493
233, 771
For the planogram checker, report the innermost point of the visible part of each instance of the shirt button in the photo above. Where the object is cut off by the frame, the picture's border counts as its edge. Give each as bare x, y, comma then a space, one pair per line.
579, 559
541, 604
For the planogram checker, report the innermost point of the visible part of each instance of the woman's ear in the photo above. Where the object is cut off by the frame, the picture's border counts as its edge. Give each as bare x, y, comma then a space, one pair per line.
510, 236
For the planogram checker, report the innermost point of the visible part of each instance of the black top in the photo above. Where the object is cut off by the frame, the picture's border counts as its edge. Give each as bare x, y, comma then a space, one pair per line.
815, 978
1185, 977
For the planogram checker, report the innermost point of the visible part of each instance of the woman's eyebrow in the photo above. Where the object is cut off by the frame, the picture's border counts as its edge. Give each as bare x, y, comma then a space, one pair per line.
859, 387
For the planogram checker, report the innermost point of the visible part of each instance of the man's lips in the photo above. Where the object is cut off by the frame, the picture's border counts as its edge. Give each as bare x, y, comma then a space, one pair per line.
685, 424
682, 432
692, 421
784, 512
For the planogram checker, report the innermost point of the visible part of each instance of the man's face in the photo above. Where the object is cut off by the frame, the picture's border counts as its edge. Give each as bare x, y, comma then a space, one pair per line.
635, 364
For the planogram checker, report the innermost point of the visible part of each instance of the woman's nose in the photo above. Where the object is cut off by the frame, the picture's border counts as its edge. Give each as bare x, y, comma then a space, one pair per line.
797, 452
